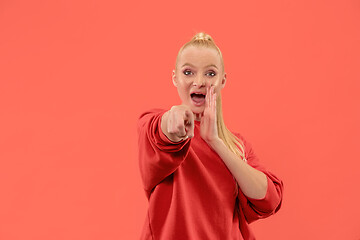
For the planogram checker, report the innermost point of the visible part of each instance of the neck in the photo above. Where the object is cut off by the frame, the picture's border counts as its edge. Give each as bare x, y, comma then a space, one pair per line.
198, 116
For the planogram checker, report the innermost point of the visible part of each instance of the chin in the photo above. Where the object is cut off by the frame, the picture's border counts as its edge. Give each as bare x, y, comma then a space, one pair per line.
197, 110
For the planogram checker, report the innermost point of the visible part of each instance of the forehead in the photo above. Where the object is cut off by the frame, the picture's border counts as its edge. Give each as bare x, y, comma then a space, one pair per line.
199, 56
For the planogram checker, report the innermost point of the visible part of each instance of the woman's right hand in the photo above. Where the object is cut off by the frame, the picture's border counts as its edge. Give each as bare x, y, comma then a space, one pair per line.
178, 123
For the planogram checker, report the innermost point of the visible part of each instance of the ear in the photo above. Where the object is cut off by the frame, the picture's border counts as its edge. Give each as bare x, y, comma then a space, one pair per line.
223, 81
174, 80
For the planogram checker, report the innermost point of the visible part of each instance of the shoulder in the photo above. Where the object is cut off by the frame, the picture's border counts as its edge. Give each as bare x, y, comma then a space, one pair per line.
241, 138
147, 115
245, 143
153, 111
238, 135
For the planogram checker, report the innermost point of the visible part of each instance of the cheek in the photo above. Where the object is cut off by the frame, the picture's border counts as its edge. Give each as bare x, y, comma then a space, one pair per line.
183, 89
183, 81
215, 82
218, 85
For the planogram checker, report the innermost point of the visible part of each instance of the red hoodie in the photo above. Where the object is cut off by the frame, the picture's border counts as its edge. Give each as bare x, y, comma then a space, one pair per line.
191, 192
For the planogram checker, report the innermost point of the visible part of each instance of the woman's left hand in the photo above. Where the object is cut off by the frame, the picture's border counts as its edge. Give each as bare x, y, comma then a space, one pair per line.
208, 124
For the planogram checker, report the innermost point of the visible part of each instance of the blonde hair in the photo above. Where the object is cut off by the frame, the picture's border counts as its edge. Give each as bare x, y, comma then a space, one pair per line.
202, 39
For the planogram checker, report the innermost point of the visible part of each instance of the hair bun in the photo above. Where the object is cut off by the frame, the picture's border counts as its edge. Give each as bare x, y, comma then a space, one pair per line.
202, 37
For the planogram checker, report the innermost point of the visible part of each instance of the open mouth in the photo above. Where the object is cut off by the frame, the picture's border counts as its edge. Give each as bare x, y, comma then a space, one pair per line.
198, 98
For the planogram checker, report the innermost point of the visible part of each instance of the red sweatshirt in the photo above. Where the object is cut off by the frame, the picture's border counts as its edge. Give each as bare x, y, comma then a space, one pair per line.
191, 192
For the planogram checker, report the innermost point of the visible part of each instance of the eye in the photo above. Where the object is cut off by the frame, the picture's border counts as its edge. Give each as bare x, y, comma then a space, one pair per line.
187, 72
211, 74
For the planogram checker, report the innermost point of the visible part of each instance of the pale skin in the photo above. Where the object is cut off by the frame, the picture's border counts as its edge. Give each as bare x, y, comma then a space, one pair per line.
200, 70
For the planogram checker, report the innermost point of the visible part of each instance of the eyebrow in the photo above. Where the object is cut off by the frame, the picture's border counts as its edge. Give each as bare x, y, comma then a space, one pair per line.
210, 65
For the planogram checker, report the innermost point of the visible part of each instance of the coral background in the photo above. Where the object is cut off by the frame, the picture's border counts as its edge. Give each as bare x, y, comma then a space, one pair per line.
75, 76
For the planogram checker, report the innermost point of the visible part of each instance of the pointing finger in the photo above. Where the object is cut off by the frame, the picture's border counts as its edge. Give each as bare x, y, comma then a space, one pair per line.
189, 126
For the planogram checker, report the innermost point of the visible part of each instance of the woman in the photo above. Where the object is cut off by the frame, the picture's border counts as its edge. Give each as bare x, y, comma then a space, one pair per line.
201, 180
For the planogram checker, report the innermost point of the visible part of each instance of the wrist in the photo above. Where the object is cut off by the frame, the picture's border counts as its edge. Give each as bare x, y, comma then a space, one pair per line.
215, 143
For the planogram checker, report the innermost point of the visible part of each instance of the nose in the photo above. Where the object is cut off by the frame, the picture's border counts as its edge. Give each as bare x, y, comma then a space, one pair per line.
199, 81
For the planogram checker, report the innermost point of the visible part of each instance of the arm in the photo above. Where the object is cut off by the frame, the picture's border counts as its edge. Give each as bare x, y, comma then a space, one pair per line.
158, 156
253, 183
260, 192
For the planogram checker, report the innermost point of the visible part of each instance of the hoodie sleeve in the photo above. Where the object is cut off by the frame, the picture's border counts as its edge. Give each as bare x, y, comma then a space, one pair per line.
254, 209
158, 156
